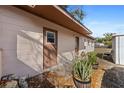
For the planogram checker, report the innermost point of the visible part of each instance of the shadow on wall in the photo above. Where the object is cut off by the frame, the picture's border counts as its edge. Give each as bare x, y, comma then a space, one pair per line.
22, 54
66, 65
23, 43
29, 52
27, 59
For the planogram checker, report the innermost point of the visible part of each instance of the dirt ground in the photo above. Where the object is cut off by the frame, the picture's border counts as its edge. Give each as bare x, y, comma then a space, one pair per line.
65, 82
54, 80
96, 79
102, 50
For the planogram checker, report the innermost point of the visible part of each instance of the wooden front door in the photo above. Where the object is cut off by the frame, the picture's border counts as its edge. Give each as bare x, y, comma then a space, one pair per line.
50, 48
77, 45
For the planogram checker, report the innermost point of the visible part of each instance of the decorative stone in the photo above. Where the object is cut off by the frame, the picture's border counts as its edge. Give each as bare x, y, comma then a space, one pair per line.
113, 77
11, 84
23, 83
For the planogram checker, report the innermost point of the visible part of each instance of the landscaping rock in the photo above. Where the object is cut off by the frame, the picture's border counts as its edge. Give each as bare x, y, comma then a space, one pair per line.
23, 83
40, 81
3, 83
11, 84
113, 78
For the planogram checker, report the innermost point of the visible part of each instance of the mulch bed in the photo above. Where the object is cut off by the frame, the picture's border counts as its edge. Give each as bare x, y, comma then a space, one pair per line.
40, 82
49, 80
3, 83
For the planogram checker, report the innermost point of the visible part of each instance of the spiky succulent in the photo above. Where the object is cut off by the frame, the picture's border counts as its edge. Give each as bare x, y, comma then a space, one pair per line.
82, 69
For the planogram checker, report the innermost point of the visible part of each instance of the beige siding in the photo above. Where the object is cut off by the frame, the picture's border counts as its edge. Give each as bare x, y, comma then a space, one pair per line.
22, 42
21, 38
89, 45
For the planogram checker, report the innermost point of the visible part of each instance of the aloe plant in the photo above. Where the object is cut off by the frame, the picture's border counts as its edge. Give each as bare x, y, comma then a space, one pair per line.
92, 57
82, 69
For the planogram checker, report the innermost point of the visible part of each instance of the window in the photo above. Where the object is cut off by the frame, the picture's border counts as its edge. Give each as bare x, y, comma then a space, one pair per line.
85, 43
83, 46
88, 42
50, 37
92, 43
77, 44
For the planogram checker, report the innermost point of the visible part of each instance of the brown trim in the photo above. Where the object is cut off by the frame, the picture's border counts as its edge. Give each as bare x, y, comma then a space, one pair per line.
52, 30
90, 37
44, 30
22, 8
1, 63
72, 17
43, 46
77, 44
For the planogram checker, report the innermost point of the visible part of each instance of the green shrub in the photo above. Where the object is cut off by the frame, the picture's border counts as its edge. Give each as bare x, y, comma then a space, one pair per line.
92, 57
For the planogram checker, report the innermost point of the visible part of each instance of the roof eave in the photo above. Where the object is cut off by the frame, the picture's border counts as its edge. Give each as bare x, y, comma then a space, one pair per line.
73, 19
62, 18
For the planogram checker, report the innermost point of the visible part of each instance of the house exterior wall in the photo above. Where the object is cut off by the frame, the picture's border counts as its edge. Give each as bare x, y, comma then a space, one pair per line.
21, 39
89, 43
88, 48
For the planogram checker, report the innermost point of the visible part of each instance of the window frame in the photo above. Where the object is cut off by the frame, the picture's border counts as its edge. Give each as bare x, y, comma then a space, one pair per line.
54, 33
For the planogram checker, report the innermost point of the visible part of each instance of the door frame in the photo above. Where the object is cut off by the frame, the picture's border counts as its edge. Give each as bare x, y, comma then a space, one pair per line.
1, 60
44, 37
77, 44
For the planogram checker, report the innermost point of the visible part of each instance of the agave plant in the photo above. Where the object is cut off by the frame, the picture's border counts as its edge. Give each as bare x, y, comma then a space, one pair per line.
82, 69
92, 57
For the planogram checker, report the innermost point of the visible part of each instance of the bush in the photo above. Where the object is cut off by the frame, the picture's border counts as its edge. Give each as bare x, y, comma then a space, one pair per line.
92, 57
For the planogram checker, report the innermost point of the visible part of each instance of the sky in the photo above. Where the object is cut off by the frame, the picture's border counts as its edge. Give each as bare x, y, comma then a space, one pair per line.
102, 19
